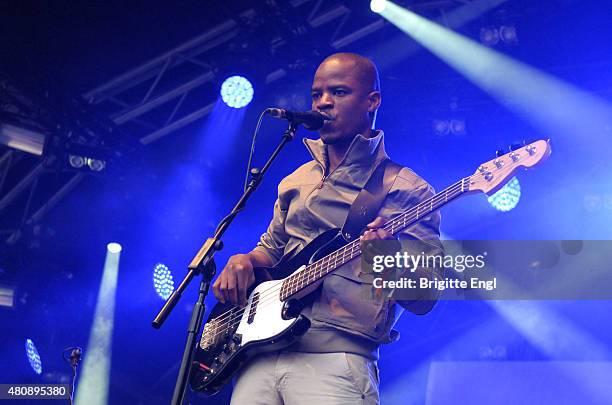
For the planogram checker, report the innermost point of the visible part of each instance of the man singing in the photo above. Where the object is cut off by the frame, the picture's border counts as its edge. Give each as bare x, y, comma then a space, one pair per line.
335, 361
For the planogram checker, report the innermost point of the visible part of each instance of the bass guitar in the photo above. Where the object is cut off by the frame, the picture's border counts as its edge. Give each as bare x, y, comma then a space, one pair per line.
271, 319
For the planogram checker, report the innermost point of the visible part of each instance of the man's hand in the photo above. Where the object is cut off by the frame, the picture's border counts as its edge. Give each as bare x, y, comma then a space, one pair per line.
373, 233
234, 280
376, 232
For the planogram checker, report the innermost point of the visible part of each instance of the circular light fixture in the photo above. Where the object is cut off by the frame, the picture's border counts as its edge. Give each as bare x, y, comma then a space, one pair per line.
489, 36
237, 91
163, 281
96, 165
114, 247
507, 197
378, 6
457, 127
76, 161
440, 127
507, 34
33, 356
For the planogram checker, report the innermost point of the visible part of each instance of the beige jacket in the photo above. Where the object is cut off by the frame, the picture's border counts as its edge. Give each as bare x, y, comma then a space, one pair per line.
311, 200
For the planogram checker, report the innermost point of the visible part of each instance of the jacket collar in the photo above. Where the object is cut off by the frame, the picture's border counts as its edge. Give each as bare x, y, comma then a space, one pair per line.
362, 151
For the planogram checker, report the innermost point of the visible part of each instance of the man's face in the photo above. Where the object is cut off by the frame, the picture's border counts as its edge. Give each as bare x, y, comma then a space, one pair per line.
338, 94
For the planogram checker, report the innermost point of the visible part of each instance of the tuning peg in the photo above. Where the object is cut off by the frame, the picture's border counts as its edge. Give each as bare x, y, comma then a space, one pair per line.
499, 153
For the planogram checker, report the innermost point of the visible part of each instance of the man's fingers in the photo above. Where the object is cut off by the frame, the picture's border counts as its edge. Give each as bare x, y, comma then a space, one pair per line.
243, 284
232, 284
377, 223
232, 288
383, 234
377, 234
216, 290
223, 288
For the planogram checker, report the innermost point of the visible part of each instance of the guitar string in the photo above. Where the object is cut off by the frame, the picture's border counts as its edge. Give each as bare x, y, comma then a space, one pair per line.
320, 265
315, 267
318, 270
237, 315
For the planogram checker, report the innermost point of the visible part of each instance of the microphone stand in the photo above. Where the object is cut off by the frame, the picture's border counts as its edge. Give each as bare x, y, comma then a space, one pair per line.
203, 264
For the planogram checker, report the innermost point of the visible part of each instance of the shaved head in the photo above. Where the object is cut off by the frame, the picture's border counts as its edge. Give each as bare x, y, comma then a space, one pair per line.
364, 68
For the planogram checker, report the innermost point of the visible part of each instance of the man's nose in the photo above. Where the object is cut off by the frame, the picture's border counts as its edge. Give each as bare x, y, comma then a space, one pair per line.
324, 102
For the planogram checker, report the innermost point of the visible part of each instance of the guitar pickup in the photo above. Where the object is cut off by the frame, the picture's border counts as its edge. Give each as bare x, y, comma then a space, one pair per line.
253, 308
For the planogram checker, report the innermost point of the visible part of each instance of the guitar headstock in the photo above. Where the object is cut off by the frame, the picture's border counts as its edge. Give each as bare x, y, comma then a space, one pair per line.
492, 175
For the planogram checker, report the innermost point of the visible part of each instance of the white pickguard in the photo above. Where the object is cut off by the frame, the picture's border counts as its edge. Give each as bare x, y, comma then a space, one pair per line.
268, 321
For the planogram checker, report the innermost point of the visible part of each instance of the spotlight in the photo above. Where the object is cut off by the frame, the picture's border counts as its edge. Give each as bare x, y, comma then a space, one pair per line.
440, 127
76, 161
162, 281
95, 372
7, 295
237, 91
457, 127
507, 197
378, 6
96, 165
489, 36
113, 247
33, 356
507, 34
86, 158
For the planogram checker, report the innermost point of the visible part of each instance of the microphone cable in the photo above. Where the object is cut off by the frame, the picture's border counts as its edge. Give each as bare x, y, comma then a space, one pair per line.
72, 355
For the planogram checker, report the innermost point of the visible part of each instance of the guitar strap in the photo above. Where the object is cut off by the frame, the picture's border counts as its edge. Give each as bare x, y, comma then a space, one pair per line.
370, 199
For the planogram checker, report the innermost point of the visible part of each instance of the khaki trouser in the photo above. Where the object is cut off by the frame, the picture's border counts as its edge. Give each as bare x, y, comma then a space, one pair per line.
293, 378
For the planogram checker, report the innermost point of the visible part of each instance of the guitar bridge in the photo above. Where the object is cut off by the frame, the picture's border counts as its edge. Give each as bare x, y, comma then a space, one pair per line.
210, 334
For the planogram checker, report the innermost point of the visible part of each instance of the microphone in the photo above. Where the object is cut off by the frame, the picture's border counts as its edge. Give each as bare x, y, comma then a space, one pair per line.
75, 356
311, 120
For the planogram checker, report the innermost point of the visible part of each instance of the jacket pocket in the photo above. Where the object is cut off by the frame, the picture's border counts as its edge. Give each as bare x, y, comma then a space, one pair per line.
348, 302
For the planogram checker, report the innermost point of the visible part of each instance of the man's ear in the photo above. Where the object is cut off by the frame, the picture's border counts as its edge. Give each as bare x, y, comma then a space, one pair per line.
374, 100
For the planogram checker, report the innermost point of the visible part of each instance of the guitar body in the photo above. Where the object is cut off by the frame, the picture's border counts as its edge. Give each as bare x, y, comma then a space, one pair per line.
232, 336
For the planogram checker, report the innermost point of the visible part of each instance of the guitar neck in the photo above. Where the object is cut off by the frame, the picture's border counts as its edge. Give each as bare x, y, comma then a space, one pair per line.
322, 267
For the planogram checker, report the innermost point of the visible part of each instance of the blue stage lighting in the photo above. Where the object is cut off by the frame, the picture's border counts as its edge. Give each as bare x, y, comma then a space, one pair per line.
378, 6
507, 197
237, 91
162, 281
113, 247
33, 356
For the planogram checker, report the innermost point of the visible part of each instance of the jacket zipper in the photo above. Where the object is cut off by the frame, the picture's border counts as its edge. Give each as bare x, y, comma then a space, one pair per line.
320, 185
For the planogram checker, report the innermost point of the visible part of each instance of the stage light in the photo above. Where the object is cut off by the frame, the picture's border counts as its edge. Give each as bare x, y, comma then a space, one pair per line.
378, 6
7, 295
96, 165
489, 36
86, 163
440, 127
22, 139
457, 127
237, 91
33, 356
507, 33
507, 197
76, 161
551, 105
162, 281
113, 247
95, 372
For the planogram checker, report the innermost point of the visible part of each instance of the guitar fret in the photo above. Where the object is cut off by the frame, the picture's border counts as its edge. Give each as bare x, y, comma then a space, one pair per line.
325, 265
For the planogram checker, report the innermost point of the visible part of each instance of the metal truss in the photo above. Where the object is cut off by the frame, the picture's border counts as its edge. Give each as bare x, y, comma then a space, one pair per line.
152, 100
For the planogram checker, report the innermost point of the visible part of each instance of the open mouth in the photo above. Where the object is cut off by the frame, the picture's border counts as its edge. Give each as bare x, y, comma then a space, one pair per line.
327, 125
